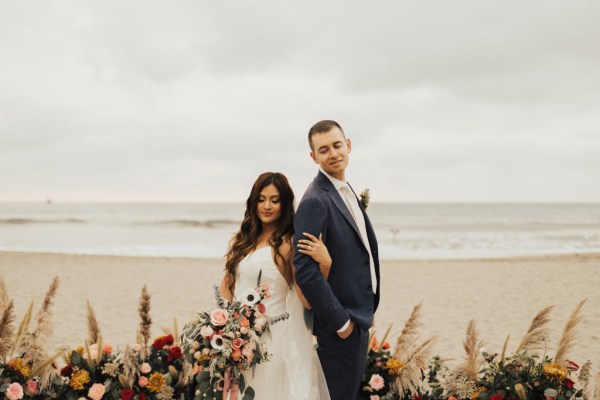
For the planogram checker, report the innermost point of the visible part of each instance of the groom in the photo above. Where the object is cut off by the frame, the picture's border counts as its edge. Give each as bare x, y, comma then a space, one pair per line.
343, 304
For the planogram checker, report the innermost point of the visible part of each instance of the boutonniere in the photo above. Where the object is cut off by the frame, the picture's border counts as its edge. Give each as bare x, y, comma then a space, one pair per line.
364, 198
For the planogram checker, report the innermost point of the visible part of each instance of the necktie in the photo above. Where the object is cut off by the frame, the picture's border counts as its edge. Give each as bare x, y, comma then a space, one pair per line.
356, 212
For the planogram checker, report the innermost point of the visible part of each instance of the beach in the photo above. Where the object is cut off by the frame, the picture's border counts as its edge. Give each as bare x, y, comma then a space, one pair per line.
501, 295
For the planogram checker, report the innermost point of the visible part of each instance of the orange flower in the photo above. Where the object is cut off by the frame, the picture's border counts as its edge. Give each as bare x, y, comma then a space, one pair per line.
236, 354
374, 344
386, 345
245, 323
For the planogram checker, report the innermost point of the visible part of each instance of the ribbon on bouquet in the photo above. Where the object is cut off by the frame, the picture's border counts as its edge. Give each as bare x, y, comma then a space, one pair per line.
230, 386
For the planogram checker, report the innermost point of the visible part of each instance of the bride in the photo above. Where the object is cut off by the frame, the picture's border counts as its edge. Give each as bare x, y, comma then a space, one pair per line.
263, 243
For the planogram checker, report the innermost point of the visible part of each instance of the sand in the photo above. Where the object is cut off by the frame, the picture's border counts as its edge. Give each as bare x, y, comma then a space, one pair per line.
500, 295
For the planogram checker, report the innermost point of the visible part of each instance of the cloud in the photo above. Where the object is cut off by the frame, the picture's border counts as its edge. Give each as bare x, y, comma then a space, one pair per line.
191, 101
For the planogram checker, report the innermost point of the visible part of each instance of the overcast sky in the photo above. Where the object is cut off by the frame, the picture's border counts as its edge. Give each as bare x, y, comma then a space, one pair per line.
192, 100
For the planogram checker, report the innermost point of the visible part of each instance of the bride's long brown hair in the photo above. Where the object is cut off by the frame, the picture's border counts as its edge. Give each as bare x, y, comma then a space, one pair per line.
246, 238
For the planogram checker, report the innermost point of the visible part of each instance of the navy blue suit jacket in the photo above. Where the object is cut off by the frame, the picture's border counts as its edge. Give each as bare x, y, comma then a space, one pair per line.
347, 294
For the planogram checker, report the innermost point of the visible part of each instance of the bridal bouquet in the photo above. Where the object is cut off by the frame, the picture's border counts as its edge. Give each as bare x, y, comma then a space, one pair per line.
223, 342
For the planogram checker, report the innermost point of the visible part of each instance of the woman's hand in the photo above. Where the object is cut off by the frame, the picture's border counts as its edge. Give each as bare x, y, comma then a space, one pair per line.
316, 249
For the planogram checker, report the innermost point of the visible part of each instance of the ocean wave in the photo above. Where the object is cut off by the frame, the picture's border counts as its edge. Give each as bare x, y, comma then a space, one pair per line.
489, 226
210, 223
28, 221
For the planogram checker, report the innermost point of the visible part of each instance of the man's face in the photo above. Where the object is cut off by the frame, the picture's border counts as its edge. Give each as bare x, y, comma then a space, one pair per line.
331, 151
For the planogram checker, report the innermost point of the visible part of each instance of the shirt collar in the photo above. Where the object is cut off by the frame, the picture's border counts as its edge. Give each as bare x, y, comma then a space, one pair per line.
336, 182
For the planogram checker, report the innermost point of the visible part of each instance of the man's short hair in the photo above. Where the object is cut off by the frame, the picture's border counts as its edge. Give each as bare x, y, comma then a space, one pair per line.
322, 127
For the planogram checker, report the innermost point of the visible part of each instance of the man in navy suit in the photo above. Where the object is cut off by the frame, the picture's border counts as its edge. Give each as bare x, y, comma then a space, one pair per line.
345, 302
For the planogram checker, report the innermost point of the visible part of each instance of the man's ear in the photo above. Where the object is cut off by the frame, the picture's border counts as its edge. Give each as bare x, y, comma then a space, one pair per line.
349, 145
312, 155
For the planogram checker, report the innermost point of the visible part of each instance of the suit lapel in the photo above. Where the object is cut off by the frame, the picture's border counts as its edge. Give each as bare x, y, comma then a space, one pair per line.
337, 200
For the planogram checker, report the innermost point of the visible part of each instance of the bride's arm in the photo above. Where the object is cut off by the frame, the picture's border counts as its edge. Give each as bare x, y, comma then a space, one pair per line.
316, 249
225, 291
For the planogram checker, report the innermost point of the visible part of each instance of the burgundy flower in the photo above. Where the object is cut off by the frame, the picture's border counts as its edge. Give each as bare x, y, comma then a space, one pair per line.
127, 394
262, 308
496, 396
168, 340
159, 343
142, 396
174, 353
67, 370
569, 384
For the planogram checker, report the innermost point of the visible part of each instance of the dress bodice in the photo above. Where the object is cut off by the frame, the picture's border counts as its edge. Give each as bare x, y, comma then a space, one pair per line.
247, 275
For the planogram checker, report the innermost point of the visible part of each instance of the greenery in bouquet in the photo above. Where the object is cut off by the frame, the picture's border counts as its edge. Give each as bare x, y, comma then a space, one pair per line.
154, 374
90, 372
153, 371
224, 342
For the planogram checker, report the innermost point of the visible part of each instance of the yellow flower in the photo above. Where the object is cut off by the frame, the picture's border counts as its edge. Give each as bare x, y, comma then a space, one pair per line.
79, 379
475, 394
156, 382
555, 371
394, 366
23, 368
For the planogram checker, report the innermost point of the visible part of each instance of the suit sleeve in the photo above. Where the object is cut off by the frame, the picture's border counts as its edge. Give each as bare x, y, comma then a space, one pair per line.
311, 217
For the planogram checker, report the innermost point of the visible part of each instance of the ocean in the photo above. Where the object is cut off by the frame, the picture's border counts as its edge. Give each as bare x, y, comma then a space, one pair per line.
404, 230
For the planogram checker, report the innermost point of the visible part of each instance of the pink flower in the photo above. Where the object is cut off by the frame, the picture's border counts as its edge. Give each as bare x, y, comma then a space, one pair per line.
14, 391
145, 368
107, 348
452, 398
218, 317
143, 381
32, 387
96, 391
376, 382
374, 397
237, 343
248, 352
206, 331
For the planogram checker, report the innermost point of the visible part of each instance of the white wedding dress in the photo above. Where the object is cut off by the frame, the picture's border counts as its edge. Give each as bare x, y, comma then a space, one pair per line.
294, 371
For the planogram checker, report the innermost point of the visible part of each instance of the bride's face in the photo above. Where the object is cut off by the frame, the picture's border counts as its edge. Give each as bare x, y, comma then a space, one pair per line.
269, 205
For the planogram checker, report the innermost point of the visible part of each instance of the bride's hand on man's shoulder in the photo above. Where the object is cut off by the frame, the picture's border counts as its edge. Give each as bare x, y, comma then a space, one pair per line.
316, 249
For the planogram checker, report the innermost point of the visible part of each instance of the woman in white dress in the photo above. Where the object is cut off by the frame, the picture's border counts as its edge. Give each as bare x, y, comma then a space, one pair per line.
263, 244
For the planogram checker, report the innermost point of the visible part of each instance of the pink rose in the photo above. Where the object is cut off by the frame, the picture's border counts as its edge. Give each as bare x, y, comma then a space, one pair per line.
376, 382
145, 368
32, 387
14, 391
248, 352
452, 398
218, 317
260, 322
206, 331
237, 343
96, 391
143, 381
107, 348
137, 347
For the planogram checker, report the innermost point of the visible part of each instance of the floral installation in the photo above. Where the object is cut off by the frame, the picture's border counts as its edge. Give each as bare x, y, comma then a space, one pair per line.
224, 342
404, 373
365, 197
166, 368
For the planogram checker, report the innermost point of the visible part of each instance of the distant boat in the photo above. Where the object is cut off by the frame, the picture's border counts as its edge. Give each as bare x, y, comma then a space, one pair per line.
48, 201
